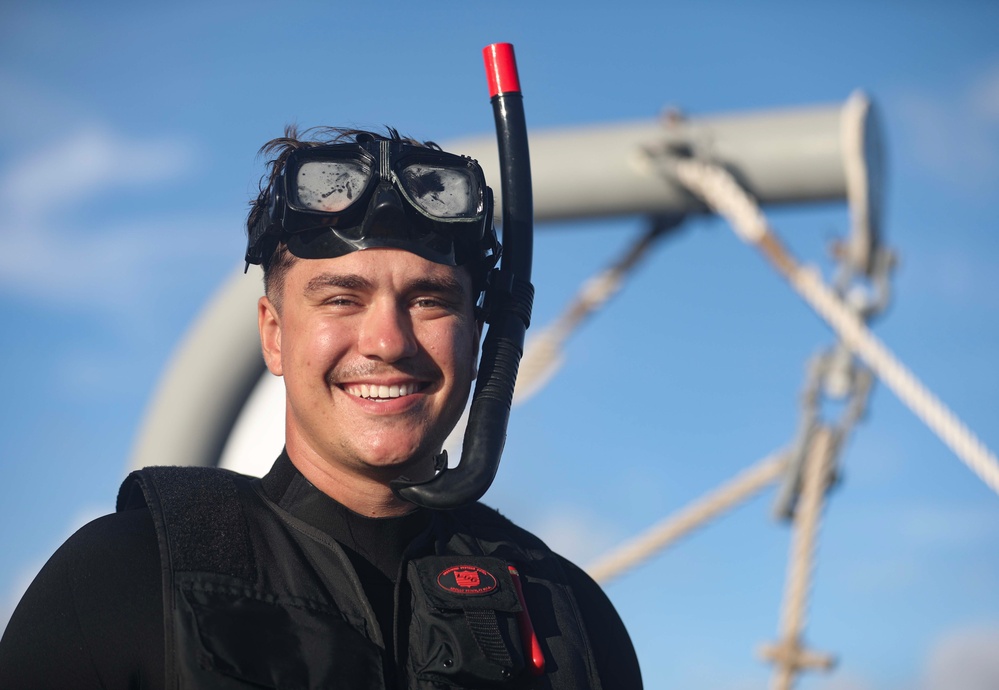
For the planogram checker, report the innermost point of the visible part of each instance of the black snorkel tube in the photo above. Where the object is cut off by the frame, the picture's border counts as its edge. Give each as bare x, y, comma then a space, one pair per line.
509, 299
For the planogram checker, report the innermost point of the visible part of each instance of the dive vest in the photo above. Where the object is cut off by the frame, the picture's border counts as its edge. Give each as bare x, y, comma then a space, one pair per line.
254, 597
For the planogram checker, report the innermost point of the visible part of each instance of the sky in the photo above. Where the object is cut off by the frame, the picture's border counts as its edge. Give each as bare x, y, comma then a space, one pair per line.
128, 139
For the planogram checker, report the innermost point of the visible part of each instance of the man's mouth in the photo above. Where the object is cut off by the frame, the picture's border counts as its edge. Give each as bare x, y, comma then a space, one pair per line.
373, 391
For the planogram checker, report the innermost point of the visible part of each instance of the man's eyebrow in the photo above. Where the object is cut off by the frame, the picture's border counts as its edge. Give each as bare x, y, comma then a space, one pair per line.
438, 284
353, 281
345, 281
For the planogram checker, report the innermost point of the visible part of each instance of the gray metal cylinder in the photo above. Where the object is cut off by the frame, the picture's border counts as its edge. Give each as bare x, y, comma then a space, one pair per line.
780, 156
203, 390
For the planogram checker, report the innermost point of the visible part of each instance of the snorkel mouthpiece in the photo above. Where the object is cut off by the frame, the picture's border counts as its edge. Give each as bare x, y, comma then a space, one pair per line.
509, 297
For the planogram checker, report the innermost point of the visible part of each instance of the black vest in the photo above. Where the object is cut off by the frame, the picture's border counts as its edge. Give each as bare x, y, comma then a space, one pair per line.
254, 597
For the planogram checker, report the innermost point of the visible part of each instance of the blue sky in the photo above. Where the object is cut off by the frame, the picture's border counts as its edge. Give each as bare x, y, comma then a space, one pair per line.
128, 136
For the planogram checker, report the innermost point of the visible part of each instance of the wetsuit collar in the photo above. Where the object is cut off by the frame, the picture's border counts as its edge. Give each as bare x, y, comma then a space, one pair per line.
380, 541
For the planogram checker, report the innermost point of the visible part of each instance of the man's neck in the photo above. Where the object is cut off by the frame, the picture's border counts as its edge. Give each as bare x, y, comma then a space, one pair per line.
367, 494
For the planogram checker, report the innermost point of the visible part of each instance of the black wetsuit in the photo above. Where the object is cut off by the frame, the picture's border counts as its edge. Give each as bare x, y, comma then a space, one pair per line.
93, 617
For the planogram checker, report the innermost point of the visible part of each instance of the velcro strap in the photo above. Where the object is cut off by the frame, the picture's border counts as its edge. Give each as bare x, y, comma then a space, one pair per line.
485, 629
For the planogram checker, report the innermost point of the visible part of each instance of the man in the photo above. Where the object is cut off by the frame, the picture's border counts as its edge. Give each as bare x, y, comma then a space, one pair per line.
375, 251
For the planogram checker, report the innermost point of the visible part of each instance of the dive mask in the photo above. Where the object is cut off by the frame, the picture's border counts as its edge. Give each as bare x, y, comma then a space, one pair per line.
334, 199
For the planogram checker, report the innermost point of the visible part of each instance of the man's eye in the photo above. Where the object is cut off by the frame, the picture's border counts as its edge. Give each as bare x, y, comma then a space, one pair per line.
431, 303
340, 302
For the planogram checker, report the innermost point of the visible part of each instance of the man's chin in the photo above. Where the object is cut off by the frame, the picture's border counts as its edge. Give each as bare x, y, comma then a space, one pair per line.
414, 468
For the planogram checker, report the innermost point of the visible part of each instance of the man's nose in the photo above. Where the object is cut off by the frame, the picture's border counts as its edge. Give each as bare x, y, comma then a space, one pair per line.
387, 333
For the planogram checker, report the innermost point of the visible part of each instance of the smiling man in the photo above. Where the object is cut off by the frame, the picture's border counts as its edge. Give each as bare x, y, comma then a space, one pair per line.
375, 251
377, 349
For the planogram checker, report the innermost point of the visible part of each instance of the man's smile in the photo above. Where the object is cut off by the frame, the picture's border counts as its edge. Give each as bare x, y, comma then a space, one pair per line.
375, 391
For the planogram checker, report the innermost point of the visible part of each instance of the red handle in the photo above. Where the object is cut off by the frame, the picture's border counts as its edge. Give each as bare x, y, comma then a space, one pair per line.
501, 69
536, 660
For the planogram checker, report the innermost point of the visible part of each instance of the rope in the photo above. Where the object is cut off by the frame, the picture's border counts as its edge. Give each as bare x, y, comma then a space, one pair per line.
543, 354
720, 191
789, 656
659, 536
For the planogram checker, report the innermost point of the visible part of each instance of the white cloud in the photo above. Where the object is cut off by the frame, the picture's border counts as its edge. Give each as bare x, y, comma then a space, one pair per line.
961, 659
935, 525
90, 161
932, 544
966, 659
876, 458
52, 256
984, 96
111, 268
964, 278
959, 274
955, 136
891, 572
32, 110
841, 681
949, 139
575, 532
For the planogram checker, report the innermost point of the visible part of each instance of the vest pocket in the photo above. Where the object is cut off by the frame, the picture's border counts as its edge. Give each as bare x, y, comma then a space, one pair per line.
464, 628
253, 640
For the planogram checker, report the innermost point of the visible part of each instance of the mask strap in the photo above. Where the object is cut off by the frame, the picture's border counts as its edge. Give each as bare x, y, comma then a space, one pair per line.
384, 161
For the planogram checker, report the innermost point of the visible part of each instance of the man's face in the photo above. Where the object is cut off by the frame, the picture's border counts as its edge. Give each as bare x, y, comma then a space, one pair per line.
377, 349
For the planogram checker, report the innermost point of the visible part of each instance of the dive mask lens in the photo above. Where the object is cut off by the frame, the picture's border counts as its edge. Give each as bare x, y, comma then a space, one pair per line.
443, 192
329, 185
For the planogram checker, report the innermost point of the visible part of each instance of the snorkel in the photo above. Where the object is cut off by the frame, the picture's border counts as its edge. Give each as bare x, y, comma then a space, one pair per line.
508, 303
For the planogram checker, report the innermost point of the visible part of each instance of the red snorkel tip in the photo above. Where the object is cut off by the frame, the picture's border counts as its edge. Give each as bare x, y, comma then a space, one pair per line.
501, 69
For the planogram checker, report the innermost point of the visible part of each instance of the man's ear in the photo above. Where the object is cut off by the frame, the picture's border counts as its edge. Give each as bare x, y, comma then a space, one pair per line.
269, 324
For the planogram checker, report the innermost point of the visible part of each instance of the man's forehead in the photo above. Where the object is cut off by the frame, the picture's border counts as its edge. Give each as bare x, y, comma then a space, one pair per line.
373, 269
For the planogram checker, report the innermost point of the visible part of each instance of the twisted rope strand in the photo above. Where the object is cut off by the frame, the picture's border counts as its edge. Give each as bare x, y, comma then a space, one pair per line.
639, 549
722, 193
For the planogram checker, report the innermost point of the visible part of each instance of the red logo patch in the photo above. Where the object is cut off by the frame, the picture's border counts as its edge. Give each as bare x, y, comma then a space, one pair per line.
467, 579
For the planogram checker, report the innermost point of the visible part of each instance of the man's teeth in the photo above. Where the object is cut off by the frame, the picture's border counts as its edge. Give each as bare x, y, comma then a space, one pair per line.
374, 391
